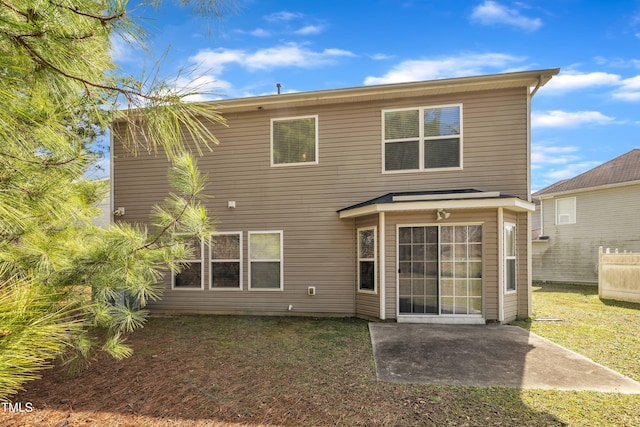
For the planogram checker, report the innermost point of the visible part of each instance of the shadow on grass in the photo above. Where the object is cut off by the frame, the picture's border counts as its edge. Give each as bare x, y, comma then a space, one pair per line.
621, 304
254, 371
571, 288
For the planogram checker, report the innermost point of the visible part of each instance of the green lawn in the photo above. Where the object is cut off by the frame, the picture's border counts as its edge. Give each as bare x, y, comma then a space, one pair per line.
606, 331
228, 371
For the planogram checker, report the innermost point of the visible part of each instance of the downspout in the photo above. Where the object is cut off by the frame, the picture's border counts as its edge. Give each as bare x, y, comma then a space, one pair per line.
538, 86
500, 265
529, 198
529, 97
383, 274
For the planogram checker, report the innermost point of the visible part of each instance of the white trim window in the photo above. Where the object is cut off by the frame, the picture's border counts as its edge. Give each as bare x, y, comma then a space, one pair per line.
225, 260
192, 274
294, 141
265, 260
566, 211
367, 255
510, 258
422, 138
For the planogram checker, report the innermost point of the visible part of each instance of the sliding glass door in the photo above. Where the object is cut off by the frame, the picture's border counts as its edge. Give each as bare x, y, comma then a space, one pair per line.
440, 270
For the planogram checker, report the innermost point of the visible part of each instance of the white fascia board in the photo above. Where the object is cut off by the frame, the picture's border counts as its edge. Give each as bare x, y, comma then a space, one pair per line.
431, 197
511, 203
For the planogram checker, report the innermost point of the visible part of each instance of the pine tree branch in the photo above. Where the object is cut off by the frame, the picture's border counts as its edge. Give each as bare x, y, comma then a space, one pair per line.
166, 227
103, 19
39, 59
45, 163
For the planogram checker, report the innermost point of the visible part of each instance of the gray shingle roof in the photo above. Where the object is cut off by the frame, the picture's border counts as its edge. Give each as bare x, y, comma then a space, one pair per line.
624, 168
439, 194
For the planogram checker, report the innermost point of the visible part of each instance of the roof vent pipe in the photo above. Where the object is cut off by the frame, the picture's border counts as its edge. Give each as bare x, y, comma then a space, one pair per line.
278, 85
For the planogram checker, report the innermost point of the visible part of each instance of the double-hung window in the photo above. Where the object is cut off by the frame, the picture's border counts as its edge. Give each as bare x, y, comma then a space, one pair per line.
423, 138
367, 259
566, 211
265, 260
294, 141
192, 274
225, 251
510, 257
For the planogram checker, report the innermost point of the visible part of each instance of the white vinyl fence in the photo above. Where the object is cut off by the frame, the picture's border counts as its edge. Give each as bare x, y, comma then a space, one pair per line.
618, 275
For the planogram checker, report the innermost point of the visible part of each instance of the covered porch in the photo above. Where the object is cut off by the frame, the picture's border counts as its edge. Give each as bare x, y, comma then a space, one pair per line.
457, 257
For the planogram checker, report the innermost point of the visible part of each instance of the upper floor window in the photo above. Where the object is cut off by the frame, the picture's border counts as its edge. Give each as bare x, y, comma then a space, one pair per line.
566, 210
423, 138
294, 141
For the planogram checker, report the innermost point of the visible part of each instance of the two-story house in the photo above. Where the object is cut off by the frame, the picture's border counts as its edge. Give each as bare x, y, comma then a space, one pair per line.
404, 201
578, 215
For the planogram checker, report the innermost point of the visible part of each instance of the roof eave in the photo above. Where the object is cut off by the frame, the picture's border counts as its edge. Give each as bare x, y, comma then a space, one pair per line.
584, 189
395, 91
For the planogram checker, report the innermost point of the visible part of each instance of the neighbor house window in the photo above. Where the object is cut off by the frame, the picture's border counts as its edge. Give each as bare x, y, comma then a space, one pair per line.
566, 210
294, 141
225, 250
510, 257
422, 138
367, 259
192, 274
265, 260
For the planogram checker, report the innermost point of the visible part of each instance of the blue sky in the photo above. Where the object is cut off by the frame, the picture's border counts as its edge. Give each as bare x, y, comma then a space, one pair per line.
587, 115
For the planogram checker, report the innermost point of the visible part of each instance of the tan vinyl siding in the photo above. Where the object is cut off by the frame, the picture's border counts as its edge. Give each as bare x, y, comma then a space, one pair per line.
605, 217
319, 248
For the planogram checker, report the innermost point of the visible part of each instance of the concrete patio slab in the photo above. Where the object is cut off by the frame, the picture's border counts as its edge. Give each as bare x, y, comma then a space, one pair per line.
491, 355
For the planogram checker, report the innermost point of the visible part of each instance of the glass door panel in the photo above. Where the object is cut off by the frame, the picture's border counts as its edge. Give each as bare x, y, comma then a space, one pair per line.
418, 270
440, 269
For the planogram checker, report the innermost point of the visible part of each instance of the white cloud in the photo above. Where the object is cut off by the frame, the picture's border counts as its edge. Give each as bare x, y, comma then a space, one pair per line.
286, 55
551, 163
380, 56
309, 30
283, 16
572, 80
122, 51
202, 88
558, 118
455, 66
260, 32
571, 170
491, 12
617, 62
291, 55
542, 154
214, 60
629, 89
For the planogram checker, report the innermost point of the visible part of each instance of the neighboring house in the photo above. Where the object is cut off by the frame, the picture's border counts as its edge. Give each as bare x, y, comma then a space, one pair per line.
405, 201
104, 219
600, 207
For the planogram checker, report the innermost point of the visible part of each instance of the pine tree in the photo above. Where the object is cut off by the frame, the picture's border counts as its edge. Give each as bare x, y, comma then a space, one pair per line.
62, 279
